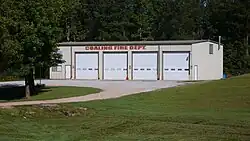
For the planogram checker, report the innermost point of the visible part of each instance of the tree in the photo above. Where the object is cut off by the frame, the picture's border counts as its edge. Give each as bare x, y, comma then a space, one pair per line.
229, 19
9, 45
235, 60
29, 30
33, 35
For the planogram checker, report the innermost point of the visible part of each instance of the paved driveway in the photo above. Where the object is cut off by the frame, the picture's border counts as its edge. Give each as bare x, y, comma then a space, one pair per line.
111, 89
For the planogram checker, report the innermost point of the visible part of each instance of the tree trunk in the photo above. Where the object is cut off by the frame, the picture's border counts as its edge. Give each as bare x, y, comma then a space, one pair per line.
27, 88
29, 84
247, 29
247, 50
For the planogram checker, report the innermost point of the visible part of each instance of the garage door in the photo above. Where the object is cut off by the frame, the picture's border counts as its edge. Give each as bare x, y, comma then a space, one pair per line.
87, 66
176, 66
115, 66
145, 66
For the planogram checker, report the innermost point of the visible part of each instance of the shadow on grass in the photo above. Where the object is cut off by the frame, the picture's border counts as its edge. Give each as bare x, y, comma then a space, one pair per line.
15, 92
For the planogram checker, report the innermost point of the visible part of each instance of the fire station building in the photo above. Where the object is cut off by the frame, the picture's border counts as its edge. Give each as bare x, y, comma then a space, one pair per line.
140, 60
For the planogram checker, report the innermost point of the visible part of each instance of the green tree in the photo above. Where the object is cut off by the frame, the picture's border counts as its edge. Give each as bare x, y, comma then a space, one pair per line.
32, 35
9, 45
235, 60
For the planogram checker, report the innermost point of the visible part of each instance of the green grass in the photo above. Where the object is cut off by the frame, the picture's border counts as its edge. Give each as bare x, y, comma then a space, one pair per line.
211, 111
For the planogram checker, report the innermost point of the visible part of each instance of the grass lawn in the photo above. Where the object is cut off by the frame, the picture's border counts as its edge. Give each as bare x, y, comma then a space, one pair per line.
212, 111
45, 93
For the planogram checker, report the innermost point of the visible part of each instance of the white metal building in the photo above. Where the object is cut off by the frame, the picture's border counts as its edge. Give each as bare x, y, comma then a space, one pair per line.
140, 60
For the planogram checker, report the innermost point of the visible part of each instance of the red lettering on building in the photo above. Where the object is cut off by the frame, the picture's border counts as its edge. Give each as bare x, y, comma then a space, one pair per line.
132, 47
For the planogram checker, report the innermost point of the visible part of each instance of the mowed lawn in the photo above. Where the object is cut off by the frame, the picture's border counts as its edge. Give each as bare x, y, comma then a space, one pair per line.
212, 111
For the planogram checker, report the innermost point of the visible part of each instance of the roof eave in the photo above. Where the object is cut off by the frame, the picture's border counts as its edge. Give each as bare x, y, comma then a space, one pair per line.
180, 42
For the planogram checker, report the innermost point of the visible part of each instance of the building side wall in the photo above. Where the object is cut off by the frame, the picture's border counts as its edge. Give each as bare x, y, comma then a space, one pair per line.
210, 66
66, 55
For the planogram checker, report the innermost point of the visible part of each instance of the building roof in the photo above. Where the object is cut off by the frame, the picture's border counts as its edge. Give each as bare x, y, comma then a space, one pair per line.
170, 42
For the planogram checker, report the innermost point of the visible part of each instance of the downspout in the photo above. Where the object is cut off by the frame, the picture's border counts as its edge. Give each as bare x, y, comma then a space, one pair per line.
191, 63
158, 63
71, 61
219, 42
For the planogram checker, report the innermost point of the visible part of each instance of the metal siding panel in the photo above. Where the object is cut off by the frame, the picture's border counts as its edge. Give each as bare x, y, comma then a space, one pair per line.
209, 65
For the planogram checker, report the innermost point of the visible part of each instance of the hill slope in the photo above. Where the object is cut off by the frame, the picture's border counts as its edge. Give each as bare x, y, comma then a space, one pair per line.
217, 110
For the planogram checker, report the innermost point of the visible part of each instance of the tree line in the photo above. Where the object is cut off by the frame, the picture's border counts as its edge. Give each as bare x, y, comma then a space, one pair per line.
30, 29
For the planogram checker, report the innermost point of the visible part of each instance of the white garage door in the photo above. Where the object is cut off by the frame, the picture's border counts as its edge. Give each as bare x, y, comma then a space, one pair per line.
115, 66
145, 66
176, 66
87, 66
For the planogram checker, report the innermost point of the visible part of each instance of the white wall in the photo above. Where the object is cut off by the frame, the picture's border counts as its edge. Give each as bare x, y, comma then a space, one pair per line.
65, 56
210, 66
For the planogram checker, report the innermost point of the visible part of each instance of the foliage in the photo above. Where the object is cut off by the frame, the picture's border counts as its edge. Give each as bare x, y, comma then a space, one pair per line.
28, 37
29, 34
30, 29
235, 60
166, 20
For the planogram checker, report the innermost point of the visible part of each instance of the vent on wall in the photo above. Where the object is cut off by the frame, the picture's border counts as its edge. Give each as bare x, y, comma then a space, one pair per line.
211, 49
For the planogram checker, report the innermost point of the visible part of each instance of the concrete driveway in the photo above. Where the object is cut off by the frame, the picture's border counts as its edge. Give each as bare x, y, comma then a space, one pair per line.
111, 89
